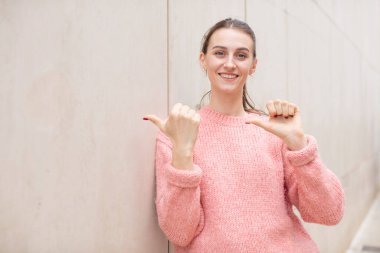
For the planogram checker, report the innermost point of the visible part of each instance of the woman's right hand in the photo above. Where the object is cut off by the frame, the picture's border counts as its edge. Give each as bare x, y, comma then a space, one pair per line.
181, 128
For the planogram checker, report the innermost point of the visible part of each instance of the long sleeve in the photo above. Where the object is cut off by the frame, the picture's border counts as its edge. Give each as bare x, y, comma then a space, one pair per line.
179, 210
311, 187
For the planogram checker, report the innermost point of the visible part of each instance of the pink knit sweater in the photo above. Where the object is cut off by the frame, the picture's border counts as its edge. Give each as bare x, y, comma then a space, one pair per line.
238, 197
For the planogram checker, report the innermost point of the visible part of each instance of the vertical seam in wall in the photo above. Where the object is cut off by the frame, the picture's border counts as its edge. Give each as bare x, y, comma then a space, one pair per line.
167, 61
167, 66
331, 58
287, 49
167, 72
245, 10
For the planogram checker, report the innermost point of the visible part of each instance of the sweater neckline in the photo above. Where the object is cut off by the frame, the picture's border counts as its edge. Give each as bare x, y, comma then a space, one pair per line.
225, 119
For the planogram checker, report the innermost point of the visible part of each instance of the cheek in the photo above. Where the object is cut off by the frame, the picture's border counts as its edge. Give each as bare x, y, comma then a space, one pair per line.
246, 68
214, 63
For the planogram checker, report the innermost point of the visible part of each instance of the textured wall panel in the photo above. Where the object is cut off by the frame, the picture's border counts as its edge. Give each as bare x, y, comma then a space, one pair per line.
76, 157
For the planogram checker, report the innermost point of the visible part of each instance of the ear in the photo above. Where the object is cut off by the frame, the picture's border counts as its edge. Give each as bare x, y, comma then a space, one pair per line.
202, 61
253, 67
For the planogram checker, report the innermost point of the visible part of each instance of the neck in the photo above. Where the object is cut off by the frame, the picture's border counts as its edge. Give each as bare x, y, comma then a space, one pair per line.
227, 104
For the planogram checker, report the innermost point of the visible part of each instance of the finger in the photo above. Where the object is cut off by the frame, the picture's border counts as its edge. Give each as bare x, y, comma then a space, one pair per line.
176, 109
184, 110
285, 109
271, 109
277, 105
292, 109
191, 113
196, 117
155, 120
297, 111
260, 123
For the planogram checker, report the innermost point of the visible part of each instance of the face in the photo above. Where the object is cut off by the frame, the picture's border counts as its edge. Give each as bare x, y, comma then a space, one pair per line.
229, 60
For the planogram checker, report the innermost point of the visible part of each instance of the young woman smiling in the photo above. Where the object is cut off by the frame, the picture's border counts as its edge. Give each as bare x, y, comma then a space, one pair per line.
228, 176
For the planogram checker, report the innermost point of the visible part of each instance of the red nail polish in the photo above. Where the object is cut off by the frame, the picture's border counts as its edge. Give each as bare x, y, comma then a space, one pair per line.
145, 118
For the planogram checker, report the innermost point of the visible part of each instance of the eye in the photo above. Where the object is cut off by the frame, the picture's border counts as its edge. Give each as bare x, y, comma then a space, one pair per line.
219, 53
242, 56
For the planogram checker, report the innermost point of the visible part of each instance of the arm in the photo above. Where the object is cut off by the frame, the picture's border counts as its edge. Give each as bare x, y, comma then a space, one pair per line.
180, 214
179, 210
311, 187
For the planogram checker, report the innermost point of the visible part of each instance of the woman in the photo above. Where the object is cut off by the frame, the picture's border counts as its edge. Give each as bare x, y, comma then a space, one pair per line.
228, 176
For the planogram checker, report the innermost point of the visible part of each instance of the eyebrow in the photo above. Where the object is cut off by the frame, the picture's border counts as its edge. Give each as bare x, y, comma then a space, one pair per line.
240, 48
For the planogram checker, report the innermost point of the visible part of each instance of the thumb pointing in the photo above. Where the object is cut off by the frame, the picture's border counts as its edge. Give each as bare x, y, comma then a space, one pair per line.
155, 120
260, 123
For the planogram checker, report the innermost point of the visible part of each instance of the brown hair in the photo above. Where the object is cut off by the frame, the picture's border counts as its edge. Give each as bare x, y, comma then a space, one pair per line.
248, 104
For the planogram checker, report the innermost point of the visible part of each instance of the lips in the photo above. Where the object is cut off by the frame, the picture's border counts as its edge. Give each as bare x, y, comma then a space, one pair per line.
228, 76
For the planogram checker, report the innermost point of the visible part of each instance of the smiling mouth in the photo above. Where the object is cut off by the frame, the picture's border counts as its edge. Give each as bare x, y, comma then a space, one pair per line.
228, 76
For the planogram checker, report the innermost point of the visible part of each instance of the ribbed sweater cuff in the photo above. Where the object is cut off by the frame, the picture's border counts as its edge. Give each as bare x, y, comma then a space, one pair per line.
305, 155
185, 178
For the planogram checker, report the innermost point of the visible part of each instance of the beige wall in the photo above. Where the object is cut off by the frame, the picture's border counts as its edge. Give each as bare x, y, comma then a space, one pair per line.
76, 157
76, 77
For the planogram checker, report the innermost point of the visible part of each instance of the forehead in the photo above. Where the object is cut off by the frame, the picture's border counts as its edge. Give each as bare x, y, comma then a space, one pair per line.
230, 38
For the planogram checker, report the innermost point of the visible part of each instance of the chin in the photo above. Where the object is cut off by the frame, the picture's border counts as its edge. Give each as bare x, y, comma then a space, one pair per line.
228, 90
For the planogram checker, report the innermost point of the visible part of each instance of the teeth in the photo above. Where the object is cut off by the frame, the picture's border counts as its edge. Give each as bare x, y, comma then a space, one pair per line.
228, 76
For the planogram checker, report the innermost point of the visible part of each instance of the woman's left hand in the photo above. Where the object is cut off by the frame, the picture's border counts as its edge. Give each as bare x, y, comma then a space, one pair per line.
284, 122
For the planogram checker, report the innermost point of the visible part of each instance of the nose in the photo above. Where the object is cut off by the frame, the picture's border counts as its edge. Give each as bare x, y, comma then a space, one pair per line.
230, 64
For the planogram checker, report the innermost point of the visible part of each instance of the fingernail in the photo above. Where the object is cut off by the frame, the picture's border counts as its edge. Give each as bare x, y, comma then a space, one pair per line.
247, 123
145, 118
